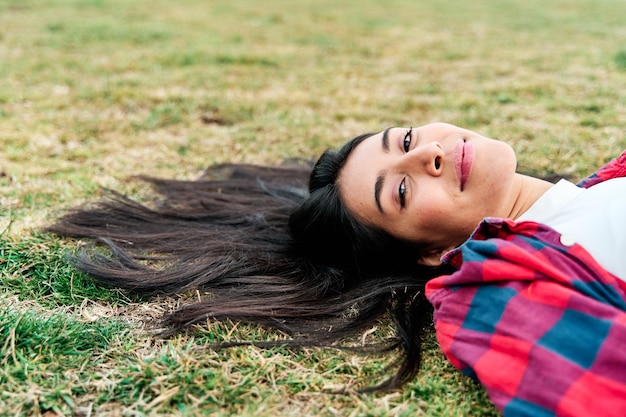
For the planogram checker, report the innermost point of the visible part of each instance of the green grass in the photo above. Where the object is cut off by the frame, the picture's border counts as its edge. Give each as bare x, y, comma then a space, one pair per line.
94, 91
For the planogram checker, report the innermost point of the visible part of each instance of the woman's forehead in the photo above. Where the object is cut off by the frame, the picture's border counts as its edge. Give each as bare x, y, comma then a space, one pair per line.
357, 180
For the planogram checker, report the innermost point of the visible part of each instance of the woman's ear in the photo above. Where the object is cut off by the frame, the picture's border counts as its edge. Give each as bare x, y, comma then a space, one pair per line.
431, 258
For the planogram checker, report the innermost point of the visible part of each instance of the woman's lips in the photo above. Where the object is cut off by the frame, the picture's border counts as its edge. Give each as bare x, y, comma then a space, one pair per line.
463, 158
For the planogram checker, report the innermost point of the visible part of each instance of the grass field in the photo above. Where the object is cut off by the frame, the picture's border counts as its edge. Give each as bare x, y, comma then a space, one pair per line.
94, 91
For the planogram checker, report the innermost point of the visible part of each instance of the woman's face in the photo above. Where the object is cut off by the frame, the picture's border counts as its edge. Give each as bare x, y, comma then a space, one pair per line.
431, 185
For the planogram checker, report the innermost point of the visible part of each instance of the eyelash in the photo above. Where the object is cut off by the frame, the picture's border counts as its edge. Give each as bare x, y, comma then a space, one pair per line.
402, 193
406, 143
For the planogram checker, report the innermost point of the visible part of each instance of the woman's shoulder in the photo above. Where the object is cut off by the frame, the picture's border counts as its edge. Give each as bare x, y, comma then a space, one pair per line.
503, 251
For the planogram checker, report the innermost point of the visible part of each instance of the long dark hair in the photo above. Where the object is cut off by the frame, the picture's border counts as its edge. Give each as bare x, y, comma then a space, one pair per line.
268, 249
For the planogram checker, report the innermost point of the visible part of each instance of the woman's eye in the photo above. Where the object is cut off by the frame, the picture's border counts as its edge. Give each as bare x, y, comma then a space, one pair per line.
407, 140
402, 193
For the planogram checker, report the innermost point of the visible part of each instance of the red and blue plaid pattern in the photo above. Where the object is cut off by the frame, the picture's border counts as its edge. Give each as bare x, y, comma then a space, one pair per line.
541, 325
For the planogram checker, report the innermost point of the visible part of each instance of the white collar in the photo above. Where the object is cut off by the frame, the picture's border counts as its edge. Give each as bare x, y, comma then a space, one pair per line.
552, 200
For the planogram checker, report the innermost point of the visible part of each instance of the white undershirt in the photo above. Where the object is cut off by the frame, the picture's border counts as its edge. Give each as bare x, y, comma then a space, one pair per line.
594, 217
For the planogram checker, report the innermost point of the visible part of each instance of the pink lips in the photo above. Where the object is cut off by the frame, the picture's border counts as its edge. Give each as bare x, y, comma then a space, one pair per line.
463, 158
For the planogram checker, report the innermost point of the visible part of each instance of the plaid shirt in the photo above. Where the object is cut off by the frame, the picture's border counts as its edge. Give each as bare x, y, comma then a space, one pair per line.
535, 319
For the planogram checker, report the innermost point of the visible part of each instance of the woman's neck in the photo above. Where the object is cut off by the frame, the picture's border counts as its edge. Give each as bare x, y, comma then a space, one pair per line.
529, 189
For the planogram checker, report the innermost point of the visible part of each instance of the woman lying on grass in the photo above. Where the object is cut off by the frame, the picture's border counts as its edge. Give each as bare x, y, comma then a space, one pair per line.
526, 278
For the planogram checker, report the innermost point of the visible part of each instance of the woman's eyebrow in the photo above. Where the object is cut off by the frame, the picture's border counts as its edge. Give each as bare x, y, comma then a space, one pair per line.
386, 140
380, 180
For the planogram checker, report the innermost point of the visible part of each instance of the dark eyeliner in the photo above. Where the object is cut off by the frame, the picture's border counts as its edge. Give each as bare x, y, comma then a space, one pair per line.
406, 143
402, 193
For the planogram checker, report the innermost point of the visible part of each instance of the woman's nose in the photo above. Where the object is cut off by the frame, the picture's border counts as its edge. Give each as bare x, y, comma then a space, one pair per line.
427, 157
